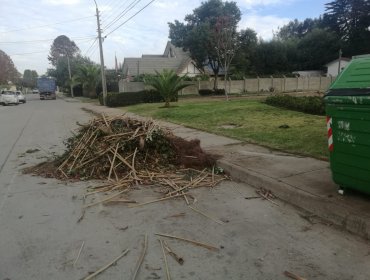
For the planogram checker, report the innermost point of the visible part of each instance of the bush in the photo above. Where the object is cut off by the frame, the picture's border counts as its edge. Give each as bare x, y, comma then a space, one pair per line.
208, 92
152, 96
205, 92
115, 99
307, 104
219, 91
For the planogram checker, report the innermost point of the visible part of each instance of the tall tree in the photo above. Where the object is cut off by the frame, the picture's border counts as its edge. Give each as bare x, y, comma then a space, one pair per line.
62, 47
317, 48
8, 72
197, 33
351, 20
227, 43
247, 47
271, 57
60, 72
88, 76
29, 78
298, 29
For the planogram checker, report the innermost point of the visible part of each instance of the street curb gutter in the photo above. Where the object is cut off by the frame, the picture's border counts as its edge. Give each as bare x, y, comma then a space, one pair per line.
328, 209
324, 208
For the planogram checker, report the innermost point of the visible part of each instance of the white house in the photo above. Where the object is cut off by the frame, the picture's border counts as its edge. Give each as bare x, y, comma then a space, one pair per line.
173, 58
334, 65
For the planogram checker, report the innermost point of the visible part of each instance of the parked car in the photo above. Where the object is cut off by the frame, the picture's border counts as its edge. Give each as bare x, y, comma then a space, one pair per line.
8, 97
35, 91
21, 97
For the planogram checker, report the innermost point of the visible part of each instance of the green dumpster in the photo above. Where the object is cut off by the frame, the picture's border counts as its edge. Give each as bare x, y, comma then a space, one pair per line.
348, 123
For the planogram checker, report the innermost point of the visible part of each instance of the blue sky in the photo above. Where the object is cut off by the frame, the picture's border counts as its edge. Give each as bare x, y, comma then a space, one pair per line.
27, 31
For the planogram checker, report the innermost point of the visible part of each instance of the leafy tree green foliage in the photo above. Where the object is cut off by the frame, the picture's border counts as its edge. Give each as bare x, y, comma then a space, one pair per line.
62, 47
351, 20
29, 78
317, 48
88, 76
8, 72
242, 61
197, 34
298, 29
168, 84
271, 58
60, 72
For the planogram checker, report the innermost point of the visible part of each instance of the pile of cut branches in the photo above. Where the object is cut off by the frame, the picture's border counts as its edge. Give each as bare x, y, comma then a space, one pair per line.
128, 152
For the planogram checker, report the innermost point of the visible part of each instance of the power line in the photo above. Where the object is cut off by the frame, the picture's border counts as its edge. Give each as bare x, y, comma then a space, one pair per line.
130, 18
46, 25
46, 40
123, 13
114, 11
88, 50
19, 54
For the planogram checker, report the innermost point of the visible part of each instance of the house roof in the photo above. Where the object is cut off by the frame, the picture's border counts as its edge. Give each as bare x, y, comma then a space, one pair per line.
173, 58
336, 60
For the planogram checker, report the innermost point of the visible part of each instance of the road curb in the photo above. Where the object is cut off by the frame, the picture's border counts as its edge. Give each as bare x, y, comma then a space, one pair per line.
329, 209
325, 208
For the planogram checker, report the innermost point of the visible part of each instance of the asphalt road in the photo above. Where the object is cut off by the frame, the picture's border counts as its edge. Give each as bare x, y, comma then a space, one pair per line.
40, 237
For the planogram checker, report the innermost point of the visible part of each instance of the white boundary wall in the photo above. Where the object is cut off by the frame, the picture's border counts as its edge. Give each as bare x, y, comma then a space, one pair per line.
255, 85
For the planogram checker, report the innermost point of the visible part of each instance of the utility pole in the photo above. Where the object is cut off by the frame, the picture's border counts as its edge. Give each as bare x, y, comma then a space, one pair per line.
70, 76
339, 61
102, 68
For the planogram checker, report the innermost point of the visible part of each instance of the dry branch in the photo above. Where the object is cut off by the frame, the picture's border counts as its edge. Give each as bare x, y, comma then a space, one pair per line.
107, 266
168, 277
206, 215
207, 246
293, 276
141, 259
180, 260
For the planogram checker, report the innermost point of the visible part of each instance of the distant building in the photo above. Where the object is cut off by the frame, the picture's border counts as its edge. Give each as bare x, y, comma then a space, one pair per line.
173, 58
308, 73
333, 66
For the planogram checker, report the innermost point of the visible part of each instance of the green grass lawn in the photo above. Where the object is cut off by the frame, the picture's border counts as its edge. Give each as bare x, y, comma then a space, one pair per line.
254, 122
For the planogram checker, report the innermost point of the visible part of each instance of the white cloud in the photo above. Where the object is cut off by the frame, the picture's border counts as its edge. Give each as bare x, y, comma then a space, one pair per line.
62, 2
255, 3
263, 25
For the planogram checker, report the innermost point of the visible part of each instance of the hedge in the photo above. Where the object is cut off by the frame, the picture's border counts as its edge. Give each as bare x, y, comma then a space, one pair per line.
308, 104
207, 92
115, 99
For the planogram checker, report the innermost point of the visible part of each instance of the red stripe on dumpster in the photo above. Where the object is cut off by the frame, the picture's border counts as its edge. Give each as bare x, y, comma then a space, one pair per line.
329, 122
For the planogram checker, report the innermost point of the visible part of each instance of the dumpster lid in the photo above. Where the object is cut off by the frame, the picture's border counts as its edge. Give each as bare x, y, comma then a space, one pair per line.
355, 76
348, 92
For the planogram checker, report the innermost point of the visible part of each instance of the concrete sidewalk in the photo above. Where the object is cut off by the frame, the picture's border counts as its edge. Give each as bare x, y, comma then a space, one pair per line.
301, 181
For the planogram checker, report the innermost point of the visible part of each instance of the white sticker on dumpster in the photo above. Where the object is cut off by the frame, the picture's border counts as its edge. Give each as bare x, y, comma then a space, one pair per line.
346, 137
344, 125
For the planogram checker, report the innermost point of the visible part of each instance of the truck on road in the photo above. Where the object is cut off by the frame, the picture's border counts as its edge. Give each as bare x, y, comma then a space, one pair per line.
47, 88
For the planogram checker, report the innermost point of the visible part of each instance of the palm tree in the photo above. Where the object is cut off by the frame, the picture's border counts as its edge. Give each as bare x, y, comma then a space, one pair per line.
88, 75
167, 84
